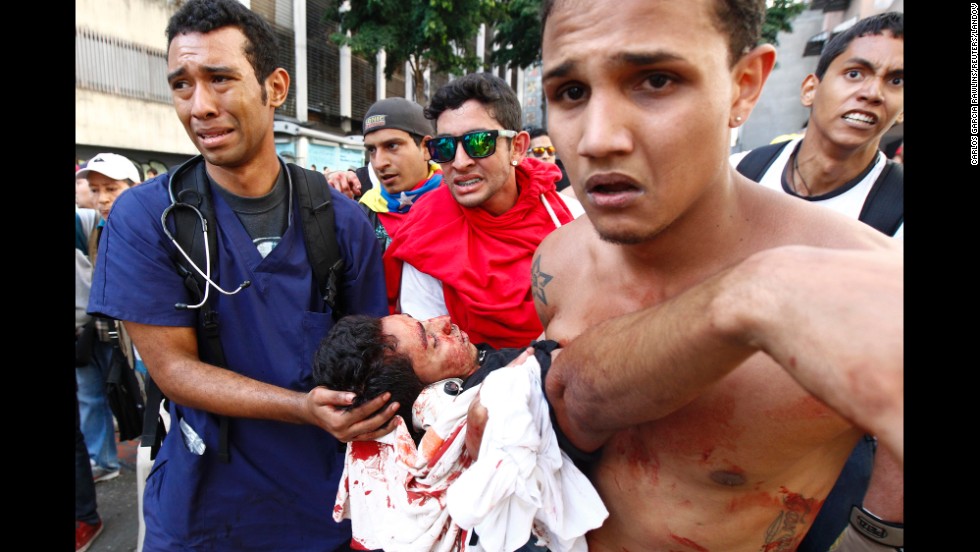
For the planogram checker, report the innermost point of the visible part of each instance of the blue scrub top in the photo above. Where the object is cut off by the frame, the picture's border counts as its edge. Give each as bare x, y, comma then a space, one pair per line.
278, 491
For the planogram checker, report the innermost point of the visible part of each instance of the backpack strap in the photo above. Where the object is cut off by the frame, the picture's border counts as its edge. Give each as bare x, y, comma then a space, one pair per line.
186, 227
316, 213
194, 188
884, 209
189, 185
757, 162
154, 429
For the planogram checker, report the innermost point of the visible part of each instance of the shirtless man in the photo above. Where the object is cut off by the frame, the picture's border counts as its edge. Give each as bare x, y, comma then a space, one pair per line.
695, 311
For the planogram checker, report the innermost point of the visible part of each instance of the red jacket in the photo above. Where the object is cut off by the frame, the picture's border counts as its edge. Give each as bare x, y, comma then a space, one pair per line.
483, 262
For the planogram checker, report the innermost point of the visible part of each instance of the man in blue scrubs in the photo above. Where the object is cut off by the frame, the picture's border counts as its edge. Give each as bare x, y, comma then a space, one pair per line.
277, 488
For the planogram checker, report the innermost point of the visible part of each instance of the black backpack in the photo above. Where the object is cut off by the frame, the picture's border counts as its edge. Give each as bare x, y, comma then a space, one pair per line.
189, 185
884, 209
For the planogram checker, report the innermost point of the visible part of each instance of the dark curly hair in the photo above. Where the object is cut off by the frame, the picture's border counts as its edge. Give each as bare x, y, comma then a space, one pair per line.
357, 356
204, 16
490, 90
893, 22
741, 20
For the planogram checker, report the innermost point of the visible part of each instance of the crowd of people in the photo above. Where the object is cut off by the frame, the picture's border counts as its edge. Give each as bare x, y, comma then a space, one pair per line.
697, 327
97, 186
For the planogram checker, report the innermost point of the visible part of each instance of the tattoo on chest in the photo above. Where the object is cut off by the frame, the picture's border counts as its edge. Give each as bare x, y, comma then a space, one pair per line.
784, 531
539, 280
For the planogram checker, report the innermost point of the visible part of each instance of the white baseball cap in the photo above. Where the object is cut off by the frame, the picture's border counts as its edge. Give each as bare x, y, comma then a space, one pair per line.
113, 165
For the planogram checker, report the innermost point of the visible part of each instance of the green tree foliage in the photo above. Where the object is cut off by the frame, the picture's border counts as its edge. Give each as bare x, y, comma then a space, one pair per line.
518, 29
428, 34
517, 34
779, 16
441, 34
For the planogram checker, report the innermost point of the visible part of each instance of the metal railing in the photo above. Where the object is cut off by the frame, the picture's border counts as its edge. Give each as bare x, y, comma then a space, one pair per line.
110, 65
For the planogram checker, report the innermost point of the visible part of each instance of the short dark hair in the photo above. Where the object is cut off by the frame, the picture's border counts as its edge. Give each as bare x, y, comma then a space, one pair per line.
536, 132
357, 356
893, 22
741, 20
488, 89
204, 16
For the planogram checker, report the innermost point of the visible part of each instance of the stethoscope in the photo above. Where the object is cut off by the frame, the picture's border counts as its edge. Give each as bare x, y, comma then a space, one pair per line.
174, 203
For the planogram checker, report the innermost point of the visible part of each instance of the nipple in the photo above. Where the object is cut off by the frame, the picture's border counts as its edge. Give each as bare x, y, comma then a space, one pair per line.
727, 478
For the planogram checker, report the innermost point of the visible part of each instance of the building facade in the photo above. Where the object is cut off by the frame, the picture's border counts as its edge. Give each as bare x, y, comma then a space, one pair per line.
123, 105
779, 110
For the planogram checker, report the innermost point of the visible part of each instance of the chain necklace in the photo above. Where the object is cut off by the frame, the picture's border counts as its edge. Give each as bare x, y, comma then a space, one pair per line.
796, 167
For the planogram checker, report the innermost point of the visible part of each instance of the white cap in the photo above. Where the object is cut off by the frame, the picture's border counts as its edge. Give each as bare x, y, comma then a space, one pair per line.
113, 165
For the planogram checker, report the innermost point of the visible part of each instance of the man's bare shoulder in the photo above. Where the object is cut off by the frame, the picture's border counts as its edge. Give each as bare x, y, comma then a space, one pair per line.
571, 251
828, 228
781, 219
575, 236
562, 259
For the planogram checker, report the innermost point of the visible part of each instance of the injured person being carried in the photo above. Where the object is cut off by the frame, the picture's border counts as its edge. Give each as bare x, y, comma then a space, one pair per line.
417, 488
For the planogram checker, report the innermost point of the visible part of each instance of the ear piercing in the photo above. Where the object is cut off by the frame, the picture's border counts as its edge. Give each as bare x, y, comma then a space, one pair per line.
514, 162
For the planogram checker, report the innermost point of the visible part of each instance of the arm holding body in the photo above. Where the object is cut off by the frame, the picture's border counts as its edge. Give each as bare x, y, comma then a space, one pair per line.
645, 365
137, 282
171, 356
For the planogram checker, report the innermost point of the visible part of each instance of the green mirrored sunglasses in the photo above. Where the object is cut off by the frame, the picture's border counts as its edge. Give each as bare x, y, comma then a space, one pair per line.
477, 144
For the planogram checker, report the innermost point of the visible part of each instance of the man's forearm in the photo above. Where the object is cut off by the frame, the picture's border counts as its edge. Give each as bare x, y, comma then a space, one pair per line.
834, 320
224, 392
645, 365
171, 359
825, 315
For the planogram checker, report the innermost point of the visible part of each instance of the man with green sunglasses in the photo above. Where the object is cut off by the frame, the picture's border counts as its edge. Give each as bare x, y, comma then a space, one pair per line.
466, 249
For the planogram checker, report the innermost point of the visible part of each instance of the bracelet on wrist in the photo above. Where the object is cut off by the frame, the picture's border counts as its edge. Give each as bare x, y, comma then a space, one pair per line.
874, 528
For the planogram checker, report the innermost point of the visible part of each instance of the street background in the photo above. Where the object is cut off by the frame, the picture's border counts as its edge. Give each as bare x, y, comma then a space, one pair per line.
117, 504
